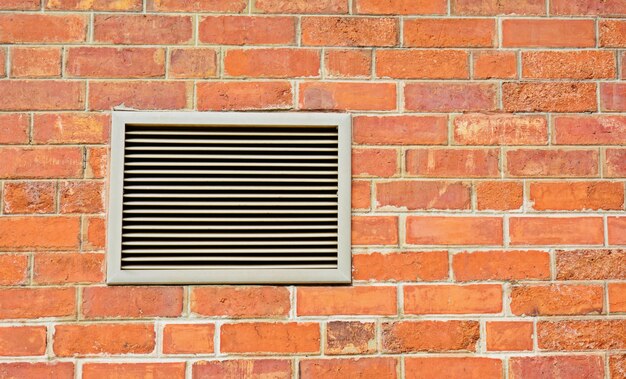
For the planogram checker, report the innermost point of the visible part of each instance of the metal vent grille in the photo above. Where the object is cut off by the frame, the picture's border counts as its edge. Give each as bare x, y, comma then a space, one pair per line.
226, 201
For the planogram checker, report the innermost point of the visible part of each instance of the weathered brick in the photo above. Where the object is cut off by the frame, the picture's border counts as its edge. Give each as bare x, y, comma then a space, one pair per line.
137, 29
96, 165
617, 297
13, 269
374, 230
602, 264
378, 367
612, 33
65, 268
552, 163
94, 233
453, 163
449, 32
548, 33
615, 164
617, 230
617, 365
490, 64
106, 302
192, 63
242, 95
401, 7
587, 64
509, 336
453, 299
94, 5
364, 96
498, 7
588, 7
134, 62
345, 63
580, 335
81, 197
401, 266
247, 30
407, 336
103, 339
500, 130
463, 367
139, 95
38, 62
361, 194
20, 95
561, 366
188, 339
375, 162
556, 299
253, 369
590, 130
556, 230
174, 370
14, 128
240, 302
349, 31
413, 194
20, 5
549, 97
499, 195
444, 230
49, 128
29, 197
301, 6
350, 337
272, 63
437, 64
3, 62
259, 338
22, 341
317, 301
39, 233
30, 303
235, 6
501, 265
613, 97
42, 28
50, 370
450, 97
400, 130
572, 196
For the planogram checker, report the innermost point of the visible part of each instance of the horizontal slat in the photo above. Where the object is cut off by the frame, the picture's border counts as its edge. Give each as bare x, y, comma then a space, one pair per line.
229, 133
231, 188
228, 267
230, 195
262, 220
229, 227
228, 243
230, 148
231, 211
227, 235
288, 250
230, 164
230, 259
232, 203
239, 155
197, 141
234, 180
228, 172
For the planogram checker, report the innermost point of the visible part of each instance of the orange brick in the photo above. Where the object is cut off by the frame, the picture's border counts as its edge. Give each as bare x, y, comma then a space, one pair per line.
442, 230
247, 30
499, 195
241, 301
378, 367
87, 62
374, 162
498, 7
64, 268
401, 7
401, 266
408, 336
374, 230
81, 197
615, 164
51, 370
556, 299
361, 194
96, 162
500, 130
272, 63
258, 338
572, 196
97, 5
453, 163
142, 29
450, 97
13, 269
349, 31
246, 95
71, 128
29, 197
578, 335
350, 337
568, 64
327, 301
453, 299
617, 230
235, 6
174, 370
501, 265
466, 367
548, 33
103, 302
92, 339
495, 65
449, 32
413, 194
20, 5
509, 336
301, 6
347, 96
52, 233
29, 303
20, 95
588, 7
552, 163
42, 28
562, 366
253, 369
22, 341
591, 264
193, 63
41, 62
94, 233
617, 365
612, 33
556, 230
613, 97
14, 128
437, 64
139, 95
617, 297
3, 62
400, 130
590, 130
549, 97
188, 339
344, 63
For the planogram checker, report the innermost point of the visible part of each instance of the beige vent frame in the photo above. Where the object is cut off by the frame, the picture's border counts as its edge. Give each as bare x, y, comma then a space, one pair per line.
117, 275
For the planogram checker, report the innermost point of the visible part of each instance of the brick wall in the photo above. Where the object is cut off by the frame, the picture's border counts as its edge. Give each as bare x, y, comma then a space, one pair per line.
489, 226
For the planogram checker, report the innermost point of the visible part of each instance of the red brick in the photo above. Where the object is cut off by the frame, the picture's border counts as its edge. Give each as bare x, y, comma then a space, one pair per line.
556, 299
612, 33
87, 62
258, 338
252, 368
617, 297
49, 370
71, 128
549, 97
453, 163
590, 130
52, 233
617, 230
374, 230
591, 264
41, 62
499, 195
552, 163
361, 194
64, 268
556, 230
240, 301
413, 194
401, 7
449, 32
20, 5
408, 336
375, 162
22, 341
453, 299
174, 370
573, 196
97, 5
329, 301
139, 95
568, 64
377, 367
81, 197
103, 302
350, 337
30, 303
401, 266
501, 265
561, 366
142, 29
94, 233
548, 33
301, 6
42, 28
42, 95
580, 335
349, 31
500, 130
13, 269
615, 164
588, 7
400, 130
3, 62
374, 96
188, 339
235, 6
613, 97
509, 336
344, 63
115, 339
96, 165
29, 197
498, 7
244, 95
617, 365
495, 65
272, 63
14, 128
437, 64
247, 30
450, 368
450, 97
193, 63
443, 230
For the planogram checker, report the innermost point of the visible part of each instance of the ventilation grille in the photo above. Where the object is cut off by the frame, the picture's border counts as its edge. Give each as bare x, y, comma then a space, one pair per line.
229, 197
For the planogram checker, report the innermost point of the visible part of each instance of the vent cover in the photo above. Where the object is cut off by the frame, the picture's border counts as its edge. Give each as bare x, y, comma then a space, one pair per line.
229, 198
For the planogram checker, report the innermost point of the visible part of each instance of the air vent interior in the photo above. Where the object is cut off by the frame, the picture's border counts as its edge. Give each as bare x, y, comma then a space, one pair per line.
229, 198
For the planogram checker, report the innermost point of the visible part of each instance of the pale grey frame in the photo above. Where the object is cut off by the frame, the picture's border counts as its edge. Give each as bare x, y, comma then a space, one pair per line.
115, 275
